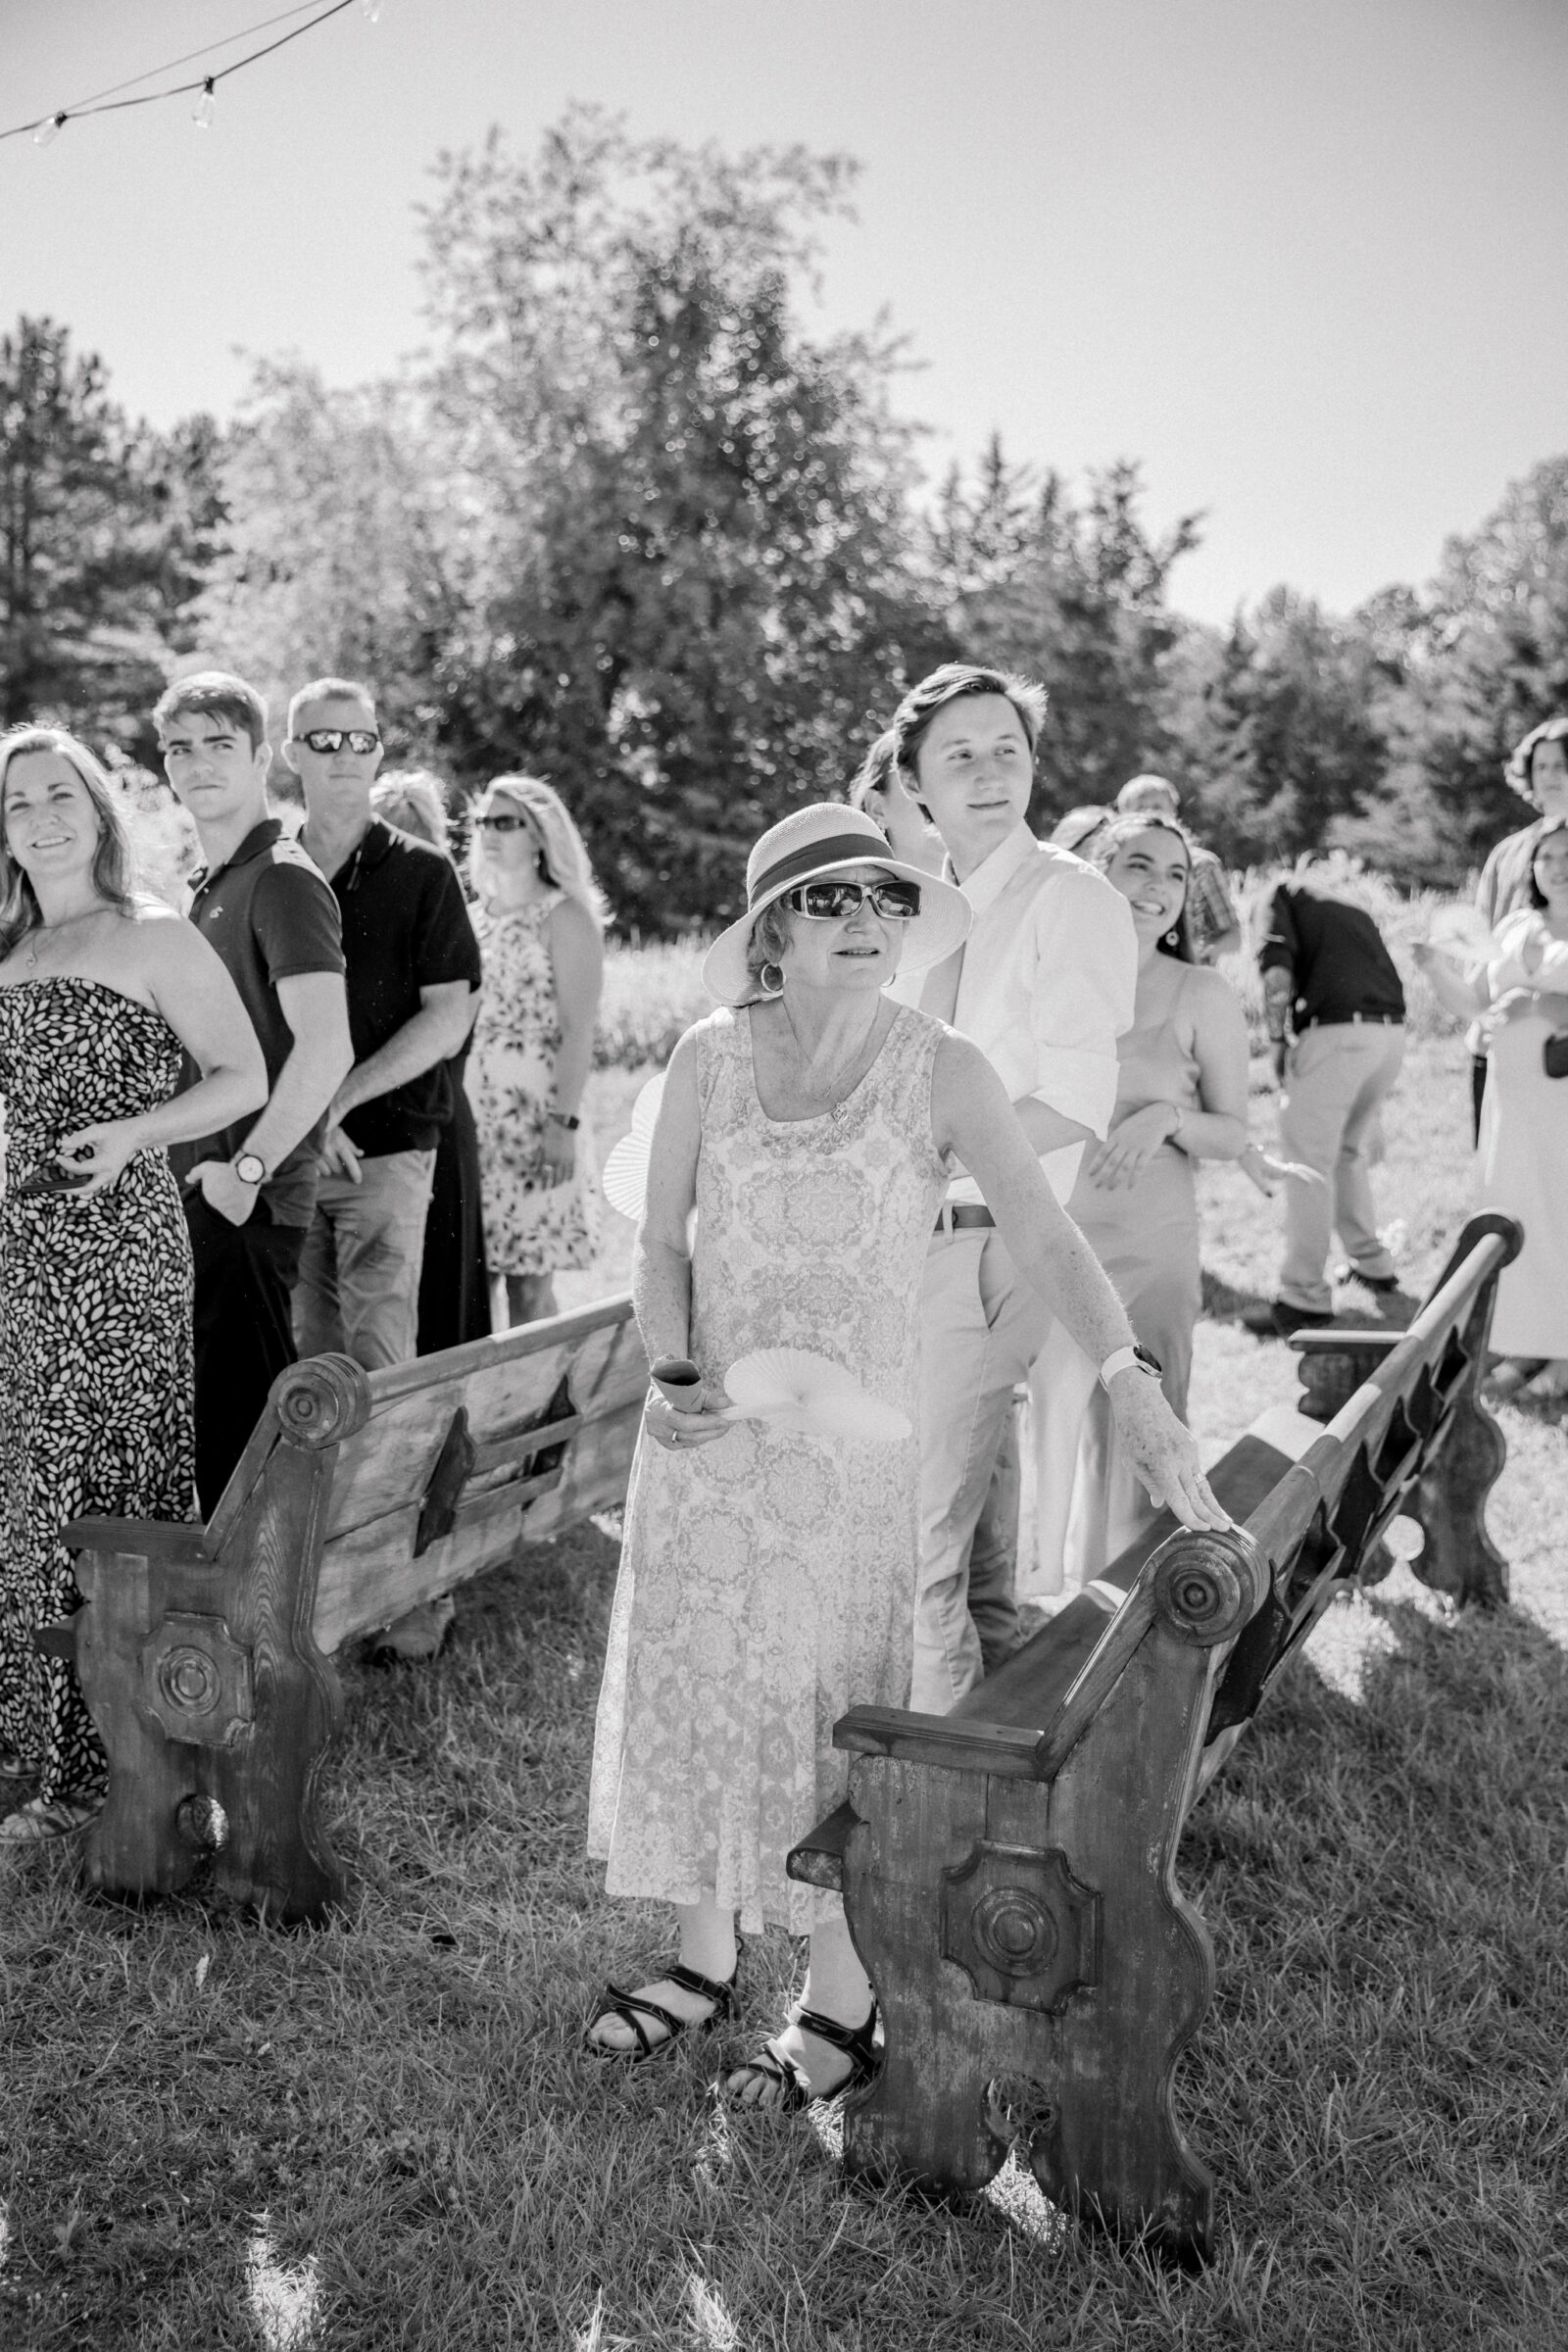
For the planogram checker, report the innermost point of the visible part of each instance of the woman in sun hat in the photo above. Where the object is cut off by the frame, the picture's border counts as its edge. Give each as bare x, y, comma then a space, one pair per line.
767, 1578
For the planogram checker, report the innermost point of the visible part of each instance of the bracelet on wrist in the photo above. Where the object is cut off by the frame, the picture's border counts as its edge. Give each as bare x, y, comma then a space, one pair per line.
564, 1118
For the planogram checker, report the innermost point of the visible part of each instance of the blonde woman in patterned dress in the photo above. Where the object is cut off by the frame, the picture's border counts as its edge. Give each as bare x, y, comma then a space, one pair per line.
767, 1579
540, 927
102, 993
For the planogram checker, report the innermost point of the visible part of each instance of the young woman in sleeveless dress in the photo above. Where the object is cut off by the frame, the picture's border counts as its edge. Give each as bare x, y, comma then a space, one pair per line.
1181, 1096
767, 1579
540, 927
101, 994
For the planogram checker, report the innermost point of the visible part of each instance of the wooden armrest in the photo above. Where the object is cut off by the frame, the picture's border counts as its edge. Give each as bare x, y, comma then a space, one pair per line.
1344, 1342
818, 1859
179, 1540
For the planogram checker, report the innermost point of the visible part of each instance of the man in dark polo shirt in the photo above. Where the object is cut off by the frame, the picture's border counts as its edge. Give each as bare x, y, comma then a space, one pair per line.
1328, 975
414, 977
250, 1193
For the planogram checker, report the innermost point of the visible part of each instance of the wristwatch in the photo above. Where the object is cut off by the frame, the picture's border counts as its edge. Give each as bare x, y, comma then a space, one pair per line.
1130, 1359
564, 1118
249, 1169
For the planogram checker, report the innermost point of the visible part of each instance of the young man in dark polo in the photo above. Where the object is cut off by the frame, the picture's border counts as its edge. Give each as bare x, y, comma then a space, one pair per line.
414, 977
250, 1193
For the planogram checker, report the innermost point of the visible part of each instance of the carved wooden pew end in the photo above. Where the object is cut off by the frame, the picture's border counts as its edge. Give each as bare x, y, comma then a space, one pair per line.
1008, 1870
206, 1653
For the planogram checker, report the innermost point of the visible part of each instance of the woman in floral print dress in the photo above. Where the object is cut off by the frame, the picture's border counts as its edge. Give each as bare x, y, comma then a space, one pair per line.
767, 1578
540, 928
102, 995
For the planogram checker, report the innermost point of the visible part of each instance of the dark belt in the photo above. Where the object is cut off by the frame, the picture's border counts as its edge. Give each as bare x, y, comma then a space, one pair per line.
1347, 1020
962, 1216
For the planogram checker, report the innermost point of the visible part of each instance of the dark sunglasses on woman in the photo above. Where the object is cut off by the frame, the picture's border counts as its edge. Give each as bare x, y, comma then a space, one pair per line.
825, 901
502, 824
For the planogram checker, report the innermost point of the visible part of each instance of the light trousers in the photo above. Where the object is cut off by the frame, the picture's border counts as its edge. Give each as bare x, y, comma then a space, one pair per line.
1336, 1081
982, 1326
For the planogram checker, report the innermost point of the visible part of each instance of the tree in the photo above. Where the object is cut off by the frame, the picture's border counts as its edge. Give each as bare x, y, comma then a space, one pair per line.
678, 520
1276, 728
328, 559
1076, 596
1484, 658
97, 537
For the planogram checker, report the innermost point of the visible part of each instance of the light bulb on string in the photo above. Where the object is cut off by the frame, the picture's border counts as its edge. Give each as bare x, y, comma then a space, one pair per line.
50, 130
205, 107
372, 11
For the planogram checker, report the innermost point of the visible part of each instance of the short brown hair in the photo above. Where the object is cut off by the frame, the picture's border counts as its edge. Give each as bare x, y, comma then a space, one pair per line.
216, 694
331, 690
949, 684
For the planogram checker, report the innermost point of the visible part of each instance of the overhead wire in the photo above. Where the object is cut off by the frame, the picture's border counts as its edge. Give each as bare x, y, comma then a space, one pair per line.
107, 102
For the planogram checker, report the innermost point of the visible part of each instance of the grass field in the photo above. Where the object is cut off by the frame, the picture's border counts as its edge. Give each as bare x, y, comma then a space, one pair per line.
382, 2136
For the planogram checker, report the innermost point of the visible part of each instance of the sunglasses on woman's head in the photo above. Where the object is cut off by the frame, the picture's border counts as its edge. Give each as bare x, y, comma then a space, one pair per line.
331, 739
825, 902
502, 824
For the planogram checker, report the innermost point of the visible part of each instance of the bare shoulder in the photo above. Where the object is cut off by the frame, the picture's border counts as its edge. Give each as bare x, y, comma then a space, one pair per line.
960, 1071
1210, 1001
165, 945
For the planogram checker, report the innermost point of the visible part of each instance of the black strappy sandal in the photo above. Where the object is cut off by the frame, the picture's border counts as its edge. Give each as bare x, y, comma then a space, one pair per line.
773, 2065
631, 2010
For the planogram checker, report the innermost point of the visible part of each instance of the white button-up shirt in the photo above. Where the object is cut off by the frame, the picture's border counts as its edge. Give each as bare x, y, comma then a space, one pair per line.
1047, 987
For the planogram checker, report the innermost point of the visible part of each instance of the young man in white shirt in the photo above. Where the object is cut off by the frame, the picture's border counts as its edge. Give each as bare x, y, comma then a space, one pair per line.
1044, 985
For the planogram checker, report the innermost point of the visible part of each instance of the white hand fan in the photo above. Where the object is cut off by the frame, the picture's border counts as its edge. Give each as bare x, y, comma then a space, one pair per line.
625, 1181
1461, 927
789, 1387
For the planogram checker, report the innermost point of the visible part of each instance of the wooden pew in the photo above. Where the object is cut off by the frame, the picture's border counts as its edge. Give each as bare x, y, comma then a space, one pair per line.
206, 1653
1008, 1870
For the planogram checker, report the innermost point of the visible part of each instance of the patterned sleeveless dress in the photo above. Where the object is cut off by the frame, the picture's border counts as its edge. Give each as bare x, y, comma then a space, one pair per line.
95, 1341
531, 1226
768, 1581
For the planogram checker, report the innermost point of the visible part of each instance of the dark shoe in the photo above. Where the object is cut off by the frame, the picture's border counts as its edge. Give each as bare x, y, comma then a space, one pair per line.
774, 2066
632, 2008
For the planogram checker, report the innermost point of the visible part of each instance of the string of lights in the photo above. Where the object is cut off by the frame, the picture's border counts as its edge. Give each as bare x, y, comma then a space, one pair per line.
44, 127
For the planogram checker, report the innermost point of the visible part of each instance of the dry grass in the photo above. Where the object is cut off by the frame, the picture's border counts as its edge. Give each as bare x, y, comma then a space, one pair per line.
382, 2136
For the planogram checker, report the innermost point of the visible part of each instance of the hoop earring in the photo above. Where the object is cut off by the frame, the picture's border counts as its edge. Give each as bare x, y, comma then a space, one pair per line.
1173, 939
771, 979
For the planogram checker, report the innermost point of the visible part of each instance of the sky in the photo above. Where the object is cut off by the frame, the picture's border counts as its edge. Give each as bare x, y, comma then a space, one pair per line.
1304, 260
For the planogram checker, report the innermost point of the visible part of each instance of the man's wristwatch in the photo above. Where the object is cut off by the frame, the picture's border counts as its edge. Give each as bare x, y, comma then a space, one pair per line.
1129, 1360
564, 1118
249, 1169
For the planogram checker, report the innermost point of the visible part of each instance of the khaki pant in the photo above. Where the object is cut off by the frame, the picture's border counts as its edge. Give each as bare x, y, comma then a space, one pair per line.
981, 1328
1335, 1080
359, 1285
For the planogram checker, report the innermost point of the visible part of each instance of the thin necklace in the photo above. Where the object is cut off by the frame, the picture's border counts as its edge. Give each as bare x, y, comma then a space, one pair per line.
47, 931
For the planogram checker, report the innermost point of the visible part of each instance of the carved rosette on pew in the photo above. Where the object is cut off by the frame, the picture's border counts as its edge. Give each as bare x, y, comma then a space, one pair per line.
197, 1660
1039, 1971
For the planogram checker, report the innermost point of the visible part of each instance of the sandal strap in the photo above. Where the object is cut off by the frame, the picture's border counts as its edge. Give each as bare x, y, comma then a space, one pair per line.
632, 2008
722, 1992
777, 2066
631, 2012
855, 2042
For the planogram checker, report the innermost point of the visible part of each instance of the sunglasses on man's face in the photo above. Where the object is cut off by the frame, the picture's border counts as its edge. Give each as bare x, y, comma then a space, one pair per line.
502, 824
827, 901
333, 739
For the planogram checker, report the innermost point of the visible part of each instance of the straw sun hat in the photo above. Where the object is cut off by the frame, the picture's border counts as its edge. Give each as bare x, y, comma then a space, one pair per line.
808, 846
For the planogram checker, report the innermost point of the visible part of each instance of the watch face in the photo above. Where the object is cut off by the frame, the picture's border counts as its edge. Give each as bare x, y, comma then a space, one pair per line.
249, 1169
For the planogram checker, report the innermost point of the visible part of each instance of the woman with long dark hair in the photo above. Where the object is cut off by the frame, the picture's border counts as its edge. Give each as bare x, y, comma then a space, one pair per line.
103, 996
